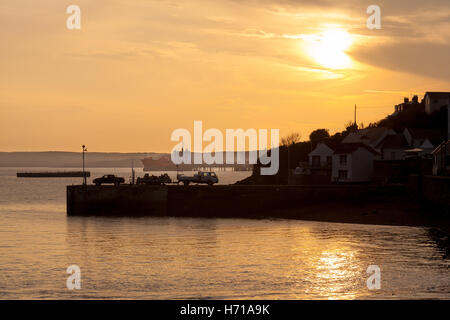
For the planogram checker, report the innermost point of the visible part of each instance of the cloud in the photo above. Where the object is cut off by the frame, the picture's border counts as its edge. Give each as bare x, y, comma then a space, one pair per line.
156, 49
427, 59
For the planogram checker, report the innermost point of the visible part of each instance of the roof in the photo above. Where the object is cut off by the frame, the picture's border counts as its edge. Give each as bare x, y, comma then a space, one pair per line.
332, 144
368, 135
438, 95
434, 135
352, 147
443, 147
394, 141
314, 151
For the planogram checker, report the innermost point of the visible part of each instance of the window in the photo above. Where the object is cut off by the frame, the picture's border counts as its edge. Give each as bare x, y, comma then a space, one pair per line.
343, 175
329, 160
343, 159
316, 161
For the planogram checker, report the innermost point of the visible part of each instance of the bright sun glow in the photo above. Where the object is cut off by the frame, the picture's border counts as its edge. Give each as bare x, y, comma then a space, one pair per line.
329, 48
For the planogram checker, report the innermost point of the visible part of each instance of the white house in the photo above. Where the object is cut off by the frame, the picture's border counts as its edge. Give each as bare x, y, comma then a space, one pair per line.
321, 156
435, 100
353, 162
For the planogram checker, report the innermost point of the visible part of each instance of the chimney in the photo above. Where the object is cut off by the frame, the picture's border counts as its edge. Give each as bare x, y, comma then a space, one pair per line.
406, 100
415, 99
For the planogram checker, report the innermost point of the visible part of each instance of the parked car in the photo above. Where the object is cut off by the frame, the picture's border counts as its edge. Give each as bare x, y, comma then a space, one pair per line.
209, 178
109, 178
154, 180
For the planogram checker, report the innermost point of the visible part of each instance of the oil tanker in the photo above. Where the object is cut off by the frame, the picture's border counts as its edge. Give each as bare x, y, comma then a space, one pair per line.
164, 163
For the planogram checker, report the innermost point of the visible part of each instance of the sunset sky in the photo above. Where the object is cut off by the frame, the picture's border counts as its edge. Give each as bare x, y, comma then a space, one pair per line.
139, 69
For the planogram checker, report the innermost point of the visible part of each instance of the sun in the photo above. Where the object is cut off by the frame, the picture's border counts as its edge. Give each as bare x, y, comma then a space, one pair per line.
329, 48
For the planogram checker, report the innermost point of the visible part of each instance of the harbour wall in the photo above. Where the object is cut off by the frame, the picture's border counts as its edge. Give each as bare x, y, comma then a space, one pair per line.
232, 201
433, 192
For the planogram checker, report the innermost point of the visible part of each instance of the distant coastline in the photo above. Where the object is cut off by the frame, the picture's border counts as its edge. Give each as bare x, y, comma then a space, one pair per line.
63, 159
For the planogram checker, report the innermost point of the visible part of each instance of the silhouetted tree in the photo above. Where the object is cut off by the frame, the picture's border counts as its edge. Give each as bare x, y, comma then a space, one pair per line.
350, 126
291, 139
319, 134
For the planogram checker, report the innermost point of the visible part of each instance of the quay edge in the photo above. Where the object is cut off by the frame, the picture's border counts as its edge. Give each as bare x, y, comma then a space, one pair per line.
231, 201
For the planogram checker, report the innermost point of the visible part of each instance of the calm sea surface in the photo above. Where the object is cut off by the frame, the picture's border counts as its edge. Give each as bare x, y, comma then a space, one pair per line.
169, 258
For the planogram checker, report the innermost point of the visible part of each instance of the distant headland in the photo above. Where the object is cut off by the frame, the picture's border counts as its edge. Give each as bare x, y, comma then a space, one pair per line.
62, 159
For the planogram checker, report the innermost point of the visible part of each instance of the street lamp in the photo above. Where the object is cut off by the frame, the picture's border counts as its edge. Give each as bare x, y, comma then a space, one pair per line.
84, 172
289, 162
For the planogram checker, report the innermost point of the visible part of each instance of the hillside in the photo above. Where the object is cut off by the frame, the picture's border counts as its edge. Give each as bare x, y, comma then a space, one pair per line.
413, 117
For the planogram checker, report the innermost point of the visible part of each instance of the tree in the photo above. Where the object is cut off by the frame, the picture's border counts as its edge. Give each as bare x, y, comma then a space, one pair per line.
351, 127
291, 139
319, 134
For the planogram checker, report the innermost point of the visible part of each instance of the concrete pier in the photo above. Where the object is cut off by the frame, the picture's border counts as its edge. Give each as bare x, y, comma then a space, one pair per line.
221, 200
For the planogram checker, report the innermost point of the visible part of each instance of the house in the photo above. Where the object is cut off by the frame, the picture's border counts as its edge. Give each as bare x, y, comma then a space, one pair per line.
353, 162
321, 156
434, 101
393, 147
369, 136
391, 167
318, 168
423, 140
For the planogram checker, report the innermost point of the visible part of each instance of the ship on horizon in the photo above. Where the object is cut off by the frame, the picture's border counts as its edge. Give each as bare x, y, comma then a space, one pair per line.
164, 163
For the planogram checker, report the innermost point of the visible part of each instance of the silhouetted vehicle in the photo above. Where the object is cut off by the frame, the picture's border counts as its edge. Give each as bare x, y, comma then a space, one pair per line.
109, 178
154, 180
209, 178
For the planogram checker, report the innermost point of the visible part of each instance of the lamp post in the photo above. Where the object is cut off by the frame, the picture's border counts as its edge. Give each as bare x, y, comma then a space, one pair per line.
288, 162
84, 172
